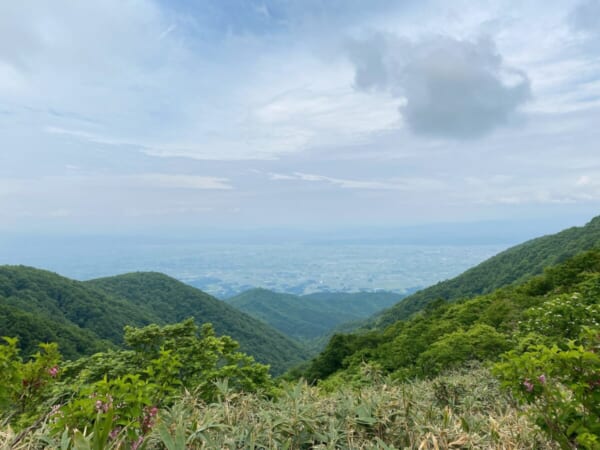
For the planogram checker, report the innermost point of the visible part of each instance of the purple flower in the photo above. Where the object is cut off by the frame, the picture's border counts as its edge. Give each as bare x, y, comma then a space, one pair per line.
99, 405
528, 385
114, 433
542, 378
137, 443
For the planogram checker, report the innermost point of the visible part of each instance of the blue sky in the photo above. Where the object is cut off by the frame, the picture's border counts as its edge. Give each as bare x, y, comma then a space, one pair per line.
118, 115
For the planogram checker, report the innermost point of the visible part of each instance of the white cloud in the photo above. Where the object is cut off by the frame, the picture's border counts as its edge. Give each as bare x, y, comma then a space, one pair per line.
394, 185
584, 180
279, 177
82, 182
170, 181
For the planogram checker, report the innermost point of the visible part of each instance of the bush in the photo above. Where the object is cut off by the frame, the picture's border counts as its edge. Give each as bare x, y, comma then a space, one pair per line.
561, 387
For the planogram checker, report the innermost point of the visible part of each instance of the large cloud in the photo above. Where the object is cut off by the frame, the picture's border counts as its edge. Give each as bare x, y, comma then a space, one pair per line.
450, 87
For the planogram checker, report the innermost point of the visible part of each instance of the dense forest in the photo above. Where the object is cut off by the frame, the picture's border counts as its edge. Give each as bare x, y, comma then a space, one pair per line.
312, 316
513, 367
447, 335
87, 317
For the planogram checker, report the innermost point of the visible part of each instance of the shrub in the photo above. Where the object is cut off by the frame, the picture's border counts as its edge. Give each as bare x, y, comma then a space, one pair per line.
561, 387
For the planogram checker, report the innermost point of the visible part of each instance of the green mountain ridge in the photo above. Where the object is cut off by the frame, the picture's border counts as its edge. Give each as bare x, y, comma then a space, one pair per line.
88, 317
308, 317
42, 306
556, 305
511, 266
171, 301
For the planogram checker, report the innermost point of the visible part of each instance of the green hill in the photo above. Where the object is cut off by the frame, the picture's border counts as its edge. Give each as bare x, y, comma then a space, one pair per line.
87, 317
310, 316
556, 305
511, 266
40, 306
169, 301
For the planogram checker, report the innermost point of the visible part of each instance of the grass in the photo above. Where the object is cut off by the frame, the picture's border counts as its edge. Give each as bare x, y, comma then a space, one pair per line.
461, 410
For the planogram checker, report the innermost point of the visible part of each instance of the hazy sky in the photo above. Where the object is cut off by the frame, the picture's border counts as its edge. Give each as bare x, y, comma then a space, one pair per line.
117, 114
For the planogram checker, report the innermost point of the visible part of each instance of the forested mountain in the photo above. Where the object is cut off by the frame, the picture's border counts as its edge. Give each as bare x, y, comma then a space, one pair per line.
168, 300
310, 316
86, 317
514, 265
557, 305
40, 306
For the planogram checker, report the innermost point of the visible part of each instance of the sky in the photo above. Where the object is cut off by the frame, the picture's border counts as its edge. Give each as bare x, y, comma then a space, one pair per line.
128, 114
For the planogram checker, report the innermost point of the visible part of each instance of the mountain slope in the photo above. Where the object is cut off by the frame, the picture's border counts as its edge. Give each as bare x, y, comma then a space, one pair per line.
310, 316
511, 266
33, 328
87, 317
168, 301
38, 306
547, 308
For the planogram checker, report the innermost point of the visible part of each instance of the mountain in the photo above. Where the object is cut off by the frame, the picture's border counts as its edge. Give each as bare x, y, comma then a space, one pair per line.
508, 267
41, 306
87, 317
550, 308
168, 300
310, 316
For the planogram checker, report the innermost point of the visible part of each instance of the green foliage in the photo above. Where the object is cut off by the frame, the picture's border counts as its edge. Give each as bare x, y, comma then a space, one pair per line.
37, 377
561, 386
24, 387
479, 343
563, 316
10, 368
121, 404
334, 357
174, 357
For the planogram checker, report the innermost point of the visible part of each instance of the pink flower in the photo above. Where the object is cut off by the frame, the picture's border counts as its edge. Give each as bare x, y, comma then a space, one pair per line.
147, 421
53, 371
137, 443
528, 385
114, 433
542, 378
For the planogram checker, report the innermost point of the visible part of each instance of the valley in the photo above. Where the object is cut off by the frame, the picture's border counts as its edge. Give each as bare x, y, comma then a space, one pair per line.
523, 323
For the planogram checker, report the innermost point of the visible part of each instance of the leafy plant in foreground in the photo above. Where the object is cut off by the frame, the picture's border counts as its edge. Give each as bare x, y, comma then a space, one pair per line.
561, 386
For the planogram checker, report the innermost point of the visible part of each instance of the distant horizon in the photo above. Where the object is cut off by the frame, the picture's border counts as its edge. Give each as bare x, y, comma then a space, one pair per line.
375, 259
506, 230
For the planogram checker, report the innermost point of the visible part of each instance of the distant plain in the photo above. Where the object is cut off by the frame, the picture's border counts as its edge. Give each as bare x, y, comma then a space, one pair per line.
226, 269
